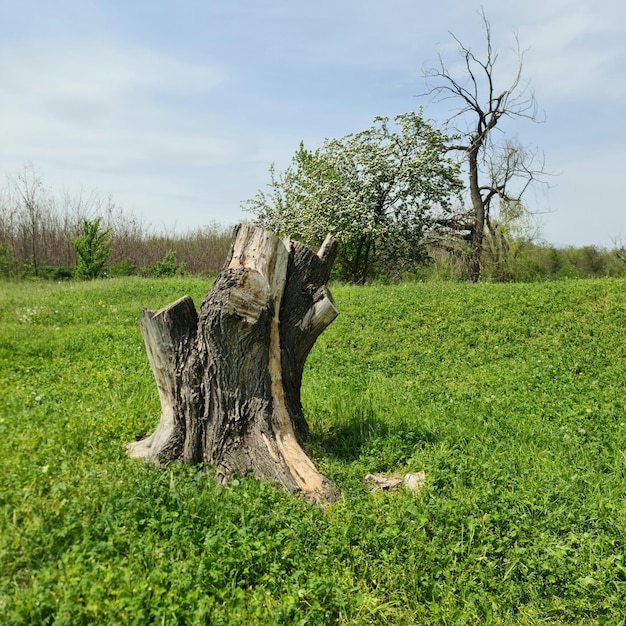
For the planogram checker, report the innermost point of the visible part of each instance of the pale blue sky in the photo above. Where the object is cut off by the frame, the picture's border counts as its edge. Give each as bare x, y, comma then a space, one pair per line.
178, 108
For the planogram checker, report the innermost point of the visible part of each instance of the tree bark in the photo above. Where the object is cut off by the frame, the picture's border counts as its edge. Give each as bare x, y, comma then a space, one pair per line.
229, 378
477, 231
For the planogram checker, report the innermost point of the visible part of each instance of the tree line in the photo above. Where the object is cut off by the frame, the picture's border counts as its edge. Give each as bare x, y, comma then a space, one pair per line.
86, 235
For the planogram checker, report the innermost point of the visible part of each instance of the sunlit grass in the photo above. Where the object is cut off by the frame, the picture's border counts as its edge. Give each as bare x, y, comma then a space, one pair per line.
510, 397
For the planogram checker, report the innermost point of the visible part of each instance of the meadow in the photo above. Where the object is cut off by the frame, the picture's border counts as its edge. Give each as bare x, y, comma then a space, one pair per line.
510, 397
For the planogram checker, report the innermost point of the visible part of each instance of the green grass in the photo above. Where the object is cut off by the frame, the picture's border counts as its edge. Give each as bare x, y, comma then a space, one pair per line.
510, 397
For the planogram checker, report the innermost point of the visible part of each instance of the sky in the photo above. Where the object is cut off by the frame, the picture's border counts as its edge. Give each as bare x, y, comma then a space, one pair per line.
177, 109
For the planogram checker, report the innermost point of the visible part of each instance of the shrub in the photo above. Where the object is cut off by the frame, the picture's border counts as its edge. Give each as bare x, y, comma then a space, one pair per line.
8, 263
124, 268
167, 266
56, 272
93, 249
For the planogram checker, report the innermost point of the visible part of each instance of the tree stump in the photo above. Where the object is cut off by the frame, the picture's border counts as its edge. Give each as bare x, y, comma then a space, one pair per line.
229, 378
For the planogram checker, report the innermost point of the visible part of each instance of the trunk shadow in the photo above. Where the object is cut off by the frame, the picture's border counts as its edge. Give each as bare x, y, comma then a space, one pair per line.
365, 434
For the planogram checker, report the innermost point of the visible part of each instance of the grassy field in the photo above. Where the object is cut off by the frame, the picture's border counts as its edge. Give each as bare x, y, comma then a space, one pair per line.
511, 398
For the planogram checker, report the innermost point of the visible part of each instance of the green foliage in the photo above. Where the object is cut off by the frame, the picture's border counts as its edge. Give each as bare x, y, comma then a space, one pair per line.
124, 268
510, 232
374, 191
530, 262
8, 263
167, 266
56, 272
510, 397
93, 249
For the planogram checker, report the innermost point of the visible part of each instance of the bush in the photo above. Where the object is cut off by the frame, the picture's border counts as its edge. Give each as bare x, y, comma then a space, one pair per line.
167, 266
8, 263
93, 249
124, 268
56, 272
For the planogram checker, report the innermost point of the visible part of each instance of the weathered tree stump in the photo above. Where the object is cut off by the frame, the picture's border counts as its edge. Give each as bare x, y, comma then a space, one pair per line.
229, 378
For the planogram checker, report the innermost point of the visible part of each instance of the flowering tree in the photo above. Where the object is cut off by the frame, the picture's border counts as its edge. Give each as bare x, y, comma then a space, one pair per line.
373, 191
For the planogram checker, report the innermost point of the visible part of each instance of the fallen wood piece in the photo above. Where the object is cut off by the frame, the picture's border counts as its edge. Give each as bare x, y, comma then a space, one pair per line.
412, 482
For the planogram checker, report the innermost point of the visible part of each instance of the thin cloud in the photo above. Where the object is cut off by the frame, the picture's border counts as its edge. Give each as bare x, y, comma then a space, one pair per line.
88, 70
579, 53
96, 105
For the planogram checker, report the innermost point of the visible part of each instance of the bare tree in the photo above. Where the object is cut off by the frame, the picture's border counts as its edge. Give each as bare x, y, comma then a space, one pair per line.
620, 250
33, 206
495, 170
